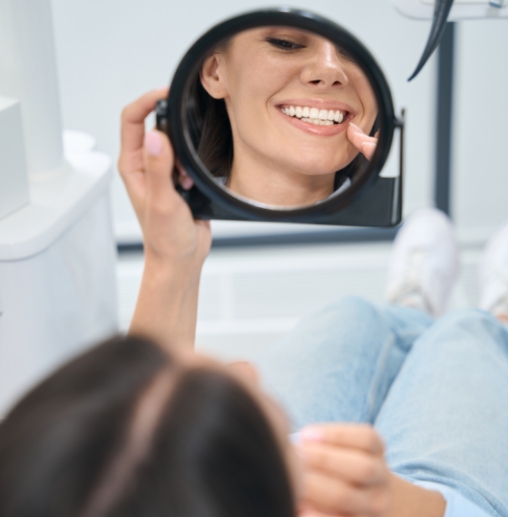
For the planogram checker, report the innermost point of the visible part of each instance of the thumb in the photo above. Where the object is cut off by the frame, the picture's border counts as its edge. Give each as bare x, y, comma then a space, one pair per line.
159, 163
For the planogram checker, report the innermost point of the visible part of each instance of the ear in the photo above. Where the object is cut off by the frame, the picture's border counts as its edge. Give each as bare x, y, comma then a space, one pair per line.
212, 78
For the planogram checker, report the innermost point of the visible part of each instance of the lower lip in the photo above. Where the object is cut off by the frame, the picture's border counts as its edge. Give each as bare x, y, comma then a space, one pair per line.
314, 129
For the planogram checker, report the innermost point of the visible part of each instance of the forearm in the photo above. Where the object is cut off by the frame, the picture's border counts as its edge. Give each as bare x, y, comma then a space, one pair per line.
408, 499
166, 309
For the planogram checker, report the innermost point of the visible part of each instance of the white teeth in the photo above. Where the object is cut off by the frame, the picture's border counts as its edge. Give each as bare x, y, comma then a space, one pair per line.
323, 114
317, 121
314, 115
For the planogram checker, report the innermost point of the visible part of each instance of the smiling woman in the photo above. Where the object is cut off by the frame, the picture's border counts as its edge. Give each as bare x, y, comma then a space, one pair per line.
282, 115
287, 114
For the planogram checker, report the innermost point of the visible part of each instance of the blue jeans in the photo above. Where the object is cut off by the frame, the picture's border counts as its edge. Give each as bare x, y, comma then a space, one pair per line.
437, 392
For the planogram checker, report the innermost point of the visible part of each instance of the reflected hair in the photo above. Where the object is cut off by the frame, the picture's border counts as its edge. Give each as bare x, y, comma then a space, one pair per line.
211, 135
125, 431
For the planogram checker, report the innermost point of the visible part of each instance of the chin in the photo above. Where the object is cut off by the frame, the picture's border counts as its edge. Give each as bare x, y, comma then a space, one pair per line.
321, 169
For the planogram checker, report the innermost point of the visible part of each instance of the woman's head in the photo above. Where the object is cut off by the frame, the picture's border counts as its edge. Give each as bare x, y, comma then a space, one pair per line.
128, 430
274, 83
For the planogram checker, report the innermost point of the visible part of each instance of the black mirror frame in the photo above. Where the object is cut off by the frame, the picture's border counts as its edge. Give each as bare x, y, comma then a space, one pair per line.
369, 201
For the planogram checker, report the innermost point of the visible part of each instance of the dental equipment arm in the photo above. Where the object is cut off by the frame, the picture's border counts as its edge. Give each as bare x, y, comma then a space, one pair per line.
441, 11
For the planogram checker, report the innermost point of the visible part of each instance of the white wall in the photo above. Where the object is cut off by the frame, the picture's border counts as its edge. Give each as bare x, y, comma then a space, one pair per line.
480, 167
111, 51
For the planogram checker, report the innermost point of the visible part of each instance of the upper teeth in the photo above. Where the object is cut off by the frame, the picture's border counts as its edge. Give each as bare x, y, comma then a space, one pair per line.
314, 115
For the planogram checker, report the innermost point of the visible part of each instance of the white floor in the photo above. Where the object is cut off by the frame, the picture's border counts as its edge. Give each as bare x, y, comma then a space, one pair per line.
251, 296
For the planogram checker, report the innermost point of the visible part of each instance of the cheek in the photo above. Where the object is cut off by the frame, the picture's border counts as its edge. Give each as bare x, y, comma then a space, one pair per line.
368, 100
256, 81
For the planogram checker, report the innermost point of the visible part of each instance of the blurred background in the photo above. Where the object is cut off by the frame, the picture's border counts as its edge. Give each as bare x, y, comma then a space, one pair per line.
261, 278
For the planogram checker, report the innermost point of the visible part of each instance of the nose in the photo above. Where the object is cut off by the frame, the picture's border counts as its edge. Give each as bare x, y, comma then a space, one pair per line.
325, 68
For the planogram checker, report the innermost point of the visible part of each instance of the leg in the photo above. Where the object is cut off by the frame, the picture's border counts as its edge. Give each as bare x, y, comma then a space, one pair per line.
338, 364
445, 418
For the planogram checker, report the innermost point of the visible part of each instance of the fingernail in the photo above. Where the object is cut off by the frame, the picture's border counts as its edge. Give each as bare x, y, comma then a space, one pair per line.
356, 127
186, 183
153, 143
295, 438
311, 434
369, 144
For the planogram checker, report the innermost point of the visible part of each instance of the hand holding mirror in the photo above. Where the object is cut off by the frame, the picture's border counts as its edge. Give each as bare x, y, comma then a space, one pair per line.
281, 115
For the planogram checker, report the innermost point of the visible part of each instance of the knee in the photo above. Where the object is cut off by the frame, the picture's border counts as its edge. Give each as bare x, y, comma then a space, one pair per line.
357, 307
355, 311
470, 319
470, 325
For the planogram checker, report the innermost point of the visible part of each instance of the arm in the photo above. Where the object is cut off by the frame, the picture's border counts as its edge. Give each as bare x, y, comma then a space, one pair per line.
345, 473
175, 244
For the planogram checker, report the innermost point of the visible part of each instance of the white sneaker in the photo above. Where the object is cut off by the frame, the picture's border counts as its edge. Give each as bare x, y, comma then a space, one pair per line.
424, 262
493, 274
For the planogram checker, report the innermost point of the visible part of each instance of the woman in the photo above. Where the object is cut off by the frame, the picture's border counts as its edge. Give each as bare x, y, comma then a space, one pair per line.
131, 430
281, 115
457, 452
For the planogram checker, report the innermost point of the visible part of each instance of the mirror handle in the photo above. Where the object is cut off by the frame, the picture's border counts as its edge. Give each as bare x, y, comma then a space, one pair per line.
162, 115
397, 206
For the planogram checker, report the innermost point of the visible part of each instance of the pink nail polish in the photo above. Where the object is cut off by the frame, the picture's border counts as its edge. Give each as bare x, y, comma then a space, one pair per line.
311, 434
153, 143
356, 127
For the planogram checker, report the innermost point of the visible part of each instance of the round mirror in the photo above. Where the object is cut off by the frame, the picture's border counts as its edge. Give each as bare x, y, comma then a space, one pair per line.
280, 114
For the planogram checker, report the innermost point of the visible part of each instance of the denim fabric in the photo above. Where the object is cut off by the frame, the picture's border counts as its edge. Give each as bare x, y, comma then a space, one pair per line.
437, 392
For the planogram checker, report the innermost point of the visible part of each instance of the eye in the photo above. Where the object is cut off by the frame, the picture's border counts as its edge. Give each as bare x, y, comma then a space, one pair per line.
284, 44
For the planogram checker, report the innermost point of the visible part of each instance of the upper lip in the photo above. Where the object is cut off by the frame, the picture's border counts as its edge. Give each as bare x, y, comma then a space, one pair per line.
317, 103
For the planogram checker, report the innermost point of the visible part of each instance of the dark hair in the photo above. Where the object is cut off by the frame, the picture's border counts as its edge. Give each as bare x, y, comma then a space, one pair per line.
211, 452
212, 137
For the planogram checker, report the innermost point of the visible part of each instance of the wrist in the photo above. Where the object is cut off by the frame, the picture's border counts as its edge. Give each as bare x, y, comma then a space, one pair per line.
163, 272
410, 499
166, 309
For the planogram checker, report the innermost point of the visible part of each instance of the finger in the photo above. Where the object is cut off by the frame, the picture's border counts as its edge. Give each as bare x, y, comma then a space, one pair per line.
159, 162
368, 150
356, 436
350, 465
310, 512
183, 178
329, 495
355, 132
133, 119
358, 138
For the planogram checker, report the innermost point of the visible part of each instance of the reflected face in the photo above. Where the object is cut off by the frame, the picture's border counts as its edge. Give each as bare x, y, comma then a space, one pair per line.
290, 96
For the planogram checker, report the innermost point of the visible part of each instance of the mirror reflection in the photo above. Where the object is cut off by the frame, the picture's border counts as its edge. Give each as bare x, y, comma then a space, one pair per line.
282, 116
